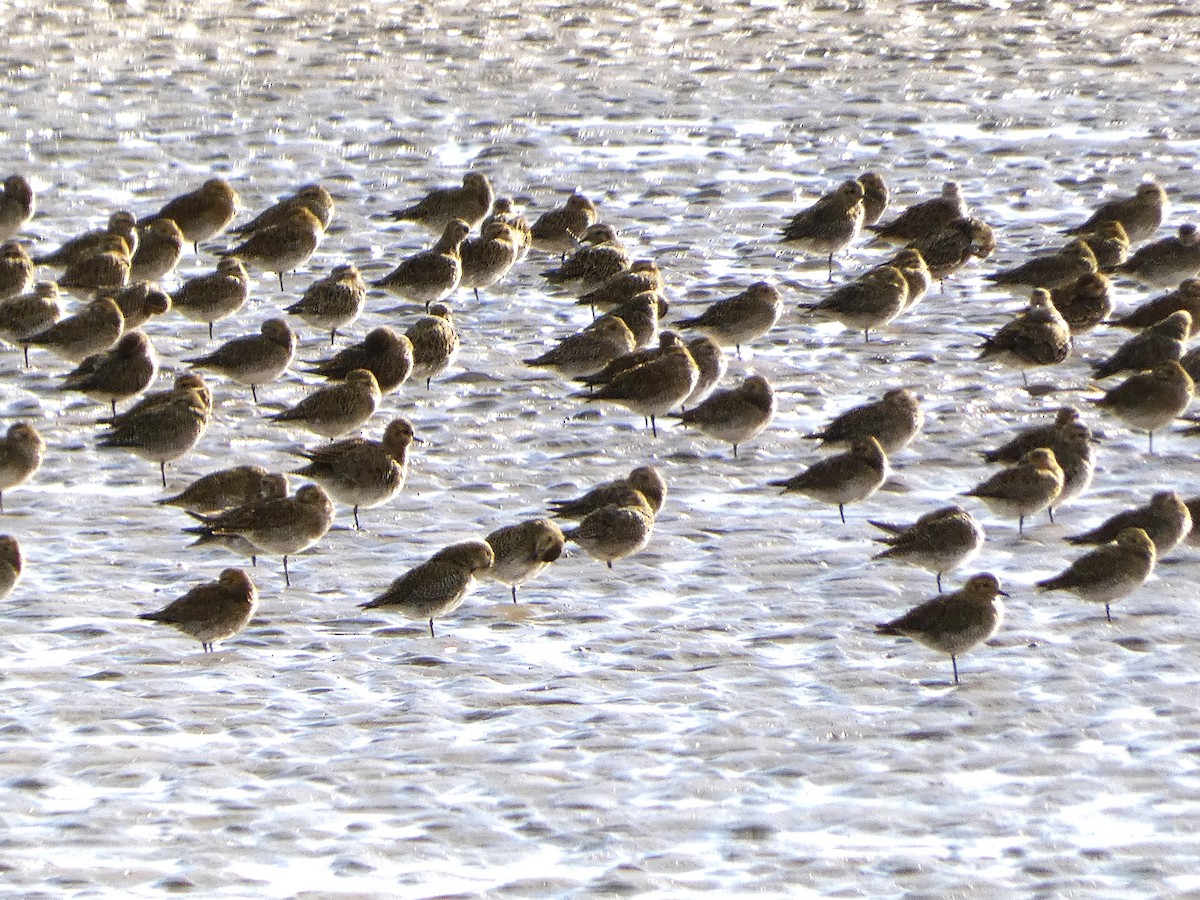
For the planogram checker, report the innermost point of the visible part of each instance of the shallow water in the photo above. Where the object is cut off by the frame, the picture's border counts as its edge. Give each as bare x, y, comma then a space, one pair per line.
715, 714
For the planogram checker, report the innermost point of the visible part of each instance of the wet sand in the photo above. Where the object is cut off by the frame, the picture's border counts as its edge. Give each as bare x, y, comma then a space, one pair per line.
715, 715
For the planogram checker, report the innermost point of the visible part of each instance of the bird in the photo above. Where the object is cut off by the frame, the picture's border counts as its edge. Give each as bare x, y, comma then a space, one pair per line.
16, 270
1062, 267
645, 480
919, 221
559, 230
202, 213
159, 249
162, 427
434, 341
1109, 242
439, 585
641, 314
917, 276
740, 319
228, 488
337, 409
643, 275
120, 223
432, 275
844, 478
124, 371
1037, 336
471, 203
1158, 343
616, 530
830, 224
954, 623
1140, 214
1186, 297
93, 329
107, 267
21, 451
503, 210
712, 365
360, 472
1083, 303
893, 420
875, 197
601, 256
949, 247
215, 296
253, 359
283, 246
212, 611
735, 415
1074, 451
17, 205
1167, 262
1110, 572
1033, 437
939, 541
588, 351
1025, 488
522, 551
283, 525
139, 302
1149, 400
312, 197
333, 302
1166, 519
487, 258
26, 315
872, 300
11, 564
655, 387
384, 352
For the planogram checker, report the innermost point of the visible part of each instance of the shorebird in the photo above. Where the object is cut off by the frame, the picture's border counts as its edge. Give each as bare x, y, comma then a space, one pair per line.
893, 420
645, 480
139, 303
120, 224
587, 351
434, 342
733, 321
162, 427
870, 301
11, 564
21, 451
1166, 519
1031, 485
333, 302
202, 213
954, 623
1038, 336
383, 352
285, 525
1167, 262
212, 611
487, 258
522, 551
439, 585
253, 359
1149, 400
124, 371
600, 257
735, 415
875, 197
1140, 215
360, 472
1084, 303
311, 197
337, 409
16, 205
1159, 343
845, 478
215, 296
283, 246
1108, 573
16, 270
939, 541
559, 230
26, 315
615, 531
159, 249
830, 224
471, 203
1064, 266
655, 387
431, 275
93, 329
919, 221
1186, 297
227, 489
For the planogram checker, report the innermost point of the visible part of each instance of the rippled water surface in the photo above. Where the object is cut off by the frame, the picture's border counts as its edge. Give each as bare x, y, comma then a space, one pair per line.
715, 714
